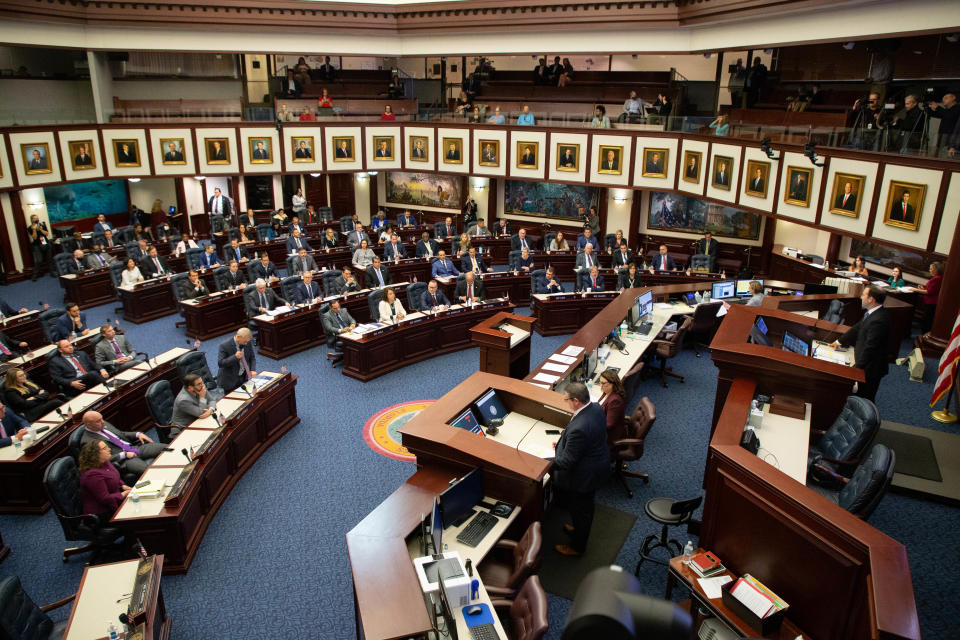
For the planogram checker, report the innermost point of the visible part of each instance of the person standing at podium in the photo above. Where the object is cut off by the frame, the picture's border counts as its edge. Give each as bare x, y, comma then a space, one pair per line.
236, 361
869, 337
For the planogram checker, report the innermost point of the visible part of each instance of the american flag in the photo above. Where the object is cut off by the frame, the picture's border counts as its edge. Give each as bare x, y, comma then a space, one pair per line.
947, 363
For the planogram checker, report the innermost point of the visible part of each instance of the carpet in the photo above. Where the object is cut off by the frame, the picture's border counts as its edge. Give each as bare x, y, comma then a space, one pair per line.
915, 454
560, 575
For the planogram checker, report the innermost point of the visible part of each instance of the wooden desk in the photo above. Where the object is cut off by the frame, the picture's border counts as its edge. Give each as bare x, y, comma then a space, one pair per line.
504, 341
496, 284
88, 289
417, 338
785, 442
559, 313
783, 267
25, 327
147, 300
214, 315
251, 427
34, 362
289, 333
406, 270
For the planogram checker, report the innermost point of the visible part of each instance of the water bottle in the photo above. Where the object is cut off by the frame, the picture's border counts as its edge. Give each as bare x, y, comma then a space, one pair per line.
688, 552
112, 632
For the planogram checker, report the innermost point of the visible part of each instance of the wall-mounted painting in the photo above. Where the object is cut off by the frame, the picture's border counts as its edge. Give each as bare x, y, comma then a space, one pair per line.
218, 150
655, 162
172, 150
261, 150
302, 148
85, 199
36, 157
384, 148
798, 186
847, 194
82, 155
909, 262
904, 204
549, 199
757, 179
418, 148
610, 160
126, 153
672, 212
423, 190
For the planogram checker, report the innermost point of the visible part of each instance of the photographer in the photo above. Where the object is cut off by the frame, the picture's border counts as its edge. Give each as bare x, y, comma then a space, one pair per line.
40, 245
948, 111
870, 123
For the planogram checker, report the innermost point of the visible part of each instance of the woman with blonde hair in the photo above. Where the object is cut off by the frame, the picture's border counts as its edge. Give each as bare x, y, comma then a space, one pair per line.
27, 398
463, 245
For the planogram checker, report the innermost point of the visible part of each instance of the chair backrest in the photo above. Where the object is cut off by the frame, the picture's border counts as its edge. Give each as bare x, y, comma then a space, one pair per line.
438, 228
513, 259
64, 231
373, 303
472, 230
685, 508
325, 213
196, 362
535, 276
815, 259
124, 234
346, 224
48, 319
116, 268
61, 481
609, 240
638, 425
219, 278
835, 313
289, 261
74, 442
705, 316
288, 287
548, 237
217, 223
526, 556
852, 432
414, 294
193, 258
328, 277
67, 246
528, 613
20, 617
160, 399
61, 260
700, 261
869, 482
675, 342
175, 281
132, 249
263, 231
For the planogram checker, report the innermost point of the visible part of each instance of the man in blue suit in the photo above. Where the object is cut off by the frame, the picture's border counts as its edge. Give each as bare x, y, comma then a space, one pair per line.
102, 225
593, 281
307, 290
581, 465
433, 297
586, 238
548, 282
296, 242
394, 248
209, 257
7, 310
406, 219
72, 323
443, 266
11, 426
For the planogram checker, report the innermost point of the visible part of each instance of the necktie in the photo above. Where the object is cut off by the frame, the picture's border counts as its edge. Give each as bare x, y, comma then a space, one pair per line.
475, 267
593, 283
298, 243
116, 349
120, 443
707, 252
237, 251
303, 265
380, 277
523, 243
434, 299
469, 291
100, 258
156, 261
587, 260
77, 365
3, 349
217, 208
243, 361
3, 433
263, 301
340, 321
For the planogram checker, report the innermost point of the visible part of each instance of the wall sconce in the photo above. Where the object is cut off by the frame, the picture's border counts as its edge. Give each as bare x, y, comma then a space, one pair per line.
371, 173
35, 205
133, 179
315, 175
362, 176
199, 178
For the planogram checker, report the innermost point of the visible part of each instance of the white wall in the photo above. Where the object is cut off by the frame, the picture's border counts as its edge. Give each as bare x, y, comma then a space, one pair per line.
193, 193
798, 236
46, 101
361, 194
101, 83
143, 193
148, 89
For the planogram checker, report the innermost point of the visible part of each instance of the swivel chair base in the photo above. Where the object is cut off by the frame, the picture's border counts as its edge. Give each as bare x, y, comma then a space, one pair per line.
622, 473
652, 542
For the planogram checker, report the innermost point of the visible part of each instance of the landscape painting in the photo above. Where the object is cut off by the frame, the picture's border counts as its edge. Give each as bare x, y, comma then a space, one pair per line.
423, 190
548, 199
889, 257
85, 199
672, 212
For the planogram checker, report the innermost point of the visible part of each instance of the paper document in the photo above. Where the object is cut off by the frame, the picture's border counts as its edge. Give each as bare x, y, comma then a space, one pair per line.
664, 305
561, 358
536, 384
572, 350
278, 310
553, 366
721, 311
546, 377
711, 586
758, 603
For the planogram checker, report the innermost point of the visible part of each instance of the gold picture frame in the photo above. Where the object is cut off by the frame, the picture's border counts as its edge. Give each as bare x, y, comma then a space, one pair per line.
528, 155
383, 148
610, 159
691, 170
489, 153
756, 182
302, 150
126, 152
798, 187
36, 158
83, 155
217, 150
722, 175
452, 151
655, 162
344, 148
172, 151
904, 205
419, 149
261, 150
847, 194
568, 156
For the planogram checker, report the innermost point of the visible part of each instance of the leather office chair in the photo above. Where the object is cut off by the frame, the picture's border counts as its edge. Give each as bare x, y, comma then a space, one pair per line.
525, 617
841, 446
219, 278
535, 276
324, 214
815, 259
669, 345
548, 237
511, 562
513, 260
193, 258
701, 262
834, 314
99, 239
196, 362
636, 427
159, 400
609, 240
373, 304
346, 224
862, 493
414, 293
438, 227
133, 251
61, 481
116, 268
22, 618
631, 381
176, 280
74, 442
173, 235
288, 288
263, 231
123, 234
328, 277
289, 261
218, 224
704, 322
61, 260
669, 513
48, 319
68, 246
65, 231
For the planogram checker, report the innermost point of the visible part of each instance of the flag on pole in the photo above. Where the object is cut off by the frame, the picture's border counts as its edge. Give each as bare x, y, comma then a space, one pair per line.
947, 362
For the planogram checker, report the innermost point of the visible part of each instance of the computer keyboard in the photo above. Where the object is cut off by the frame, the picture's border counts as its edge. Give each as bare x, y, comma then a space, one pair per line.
484, 632
478, 528
644, 328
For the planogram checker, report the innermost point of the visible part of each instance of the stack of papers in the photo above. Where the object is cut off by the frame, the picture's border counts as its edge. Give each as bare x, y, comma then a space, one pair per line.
546, 377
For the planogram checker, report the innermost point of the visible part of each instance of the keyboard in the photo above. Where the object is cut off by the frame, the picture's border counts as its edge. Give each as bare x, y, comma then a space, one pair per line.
644, 328
484, 632
478, 528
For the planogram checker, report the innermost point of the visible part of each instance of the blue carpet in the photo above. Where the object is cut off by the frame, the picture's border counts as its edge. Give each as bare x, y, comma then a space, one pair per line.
273, 564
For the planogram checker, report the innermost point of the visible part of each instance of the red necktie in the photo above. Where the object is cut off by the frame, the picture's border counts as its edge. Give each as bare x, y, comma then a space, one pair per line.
79, 366
4, 350
469, 291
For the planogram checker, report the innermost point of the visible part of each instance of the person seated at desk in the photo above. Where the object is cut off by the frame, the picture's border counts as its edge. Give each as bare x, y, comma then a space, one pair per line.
433, 298
707, 246
378, 275
190, 404
236, 360
12, 426
859, 267
263, 299
71, 324
193, 287
236, 252
558, 243
463, 245
406, 219
142, 233
9, 347
101, 489
102, 225
427, 247
756, 294
594, 281
114, 353
6, 310
329, 239
363, 256
295, 225
303, 263
931, 295
622, 256
355, 236
394, 250
391, 310
586, 259
233, 278
79, 262
586, 238
618, 241
896, 280
247, 220
153, 265
164, 232
208, 259
525, 262
307, 290
385, 234
473, 263
296, 242
663, 262
548, 282
443, 266
503, 228
379, 222
336, 321
130, 451
98, 258
870, 337
520, 241
447, 230
186, 242
244, 235
263, 269
612, 401
344, 283
26, 397
630, 277
469, 289
279, 221
131, 274
481, 230
74, 372
139, 252
108, 242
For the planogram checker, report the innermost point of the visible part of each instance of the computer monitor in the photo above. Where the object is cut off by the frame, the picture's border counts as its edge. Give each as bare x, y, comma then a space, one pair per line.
590, 364
794, 344
723, 290
743, 288
172, 210
460, 498
811, 289
642, 307
436, 528
467, 421
761, 325
447, 611
758, 334
490, 407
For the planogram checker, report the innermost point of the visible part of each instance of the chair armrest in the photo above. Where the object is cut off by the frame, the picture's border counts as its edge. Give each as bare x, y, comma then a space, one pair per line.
506, 545
86, 519
58, 603
846, 464
503, 604
627, 442
502, 592
835, 476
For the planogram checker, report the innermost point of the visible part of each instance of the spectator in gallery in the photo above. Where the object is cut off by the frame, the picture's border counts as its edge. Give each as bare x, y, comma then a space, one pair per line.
632, 108
284, 114
566, 75
526, 118
388, 115
541, 73
662, 107
497, 117
301, 72
554, 70
325, 101
720, 125
475, 116
395, 88
307, 116
289, 87
463, 103
600, 119
327, 71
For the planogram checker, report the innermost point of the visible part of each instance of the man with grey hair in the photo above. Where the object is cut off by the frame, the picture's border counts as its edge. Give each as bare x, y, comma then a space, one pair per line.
908, 124
581, 465
236, 360
262, 299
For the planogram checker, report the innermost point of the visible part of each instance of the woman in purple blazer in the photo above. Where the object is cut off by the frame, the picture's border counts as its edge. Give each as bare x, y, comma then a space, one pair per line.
101, 488
612, 402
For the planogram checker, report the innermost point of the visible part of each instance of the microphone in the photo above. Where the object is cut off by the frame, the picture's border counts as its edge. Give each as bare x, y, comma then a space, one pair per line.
60, 413
216, 418
186, 455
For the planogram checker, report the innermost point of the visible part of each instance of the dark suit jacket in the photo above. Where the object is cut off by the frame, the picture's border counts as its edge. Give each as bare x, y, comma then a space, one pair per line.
626, 283
225, 202
6, 309
701, 246
613, 411
654, 167
543, 285
298, 266
692, 172
82, 160
340, 286
404, 220
851, 204
253, 300
869, 339
229, 254
330, 324
12, 423
515, 243
610, 166
225, 280
466, 265
657, 263
257, 270
63, 372
292, 244
100, 228
462, 289
755, 184
582, 462
64, 326
896, 212
209, 259
798, 191
427, 299
117, 455
231, 374
422, 248
290, 89
372, 280
12, 345
621, 260
721, 178
188, 291
587, 282
302, 294
388, 250
149, 270
453, 155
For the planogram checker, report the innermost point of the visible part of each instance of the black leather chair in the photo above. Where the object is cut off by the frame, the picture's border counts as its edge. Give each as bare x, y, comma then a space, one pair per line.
669, 513
116, 268
160, 399
513, 259
65, 231
373, 304
669, 345
219, 278
21, 618
176, 282
704, 323
263, 231
218, 224
840, 447
196, 362
629, 448
700, 262
73, 444
862, 493
438, 227
328, 277
535, 276
288, 288
61, 481
133, 251
609, 240
60, 262
346, 224
324, 214
525, 617
414, 294
193, 258
548, 237
834, 313
511, 562
48, 319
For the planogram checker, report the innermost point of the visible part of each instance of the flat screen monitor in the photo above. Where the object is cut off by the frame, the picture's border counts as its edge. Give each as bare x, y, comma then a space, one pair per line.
743, 288
172, 210
590, 364
447, 612
723, 290
642, 307
467, 421
762, 326
460, 497
436, 528
490, 407
812, 289
794, 344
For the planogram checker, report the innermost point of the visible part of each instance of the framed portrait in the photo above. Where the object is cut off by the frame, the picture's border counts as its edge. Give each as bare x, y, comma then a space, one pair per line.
757, 179
722, 172
691, 165
171, 150
36, 157
126, 153
82, 155
655, 163
261, 150
904, 205
343, 149
302, 148
382, 148
452, 151
846, 194
528, 155
218, 150
610, 160
568, 157
798, 186
489, 153
418, 148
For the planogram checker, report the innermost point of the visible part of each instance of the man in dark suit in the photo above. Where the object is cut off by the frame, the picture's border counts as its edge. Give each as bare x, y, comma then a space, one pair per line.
520, 241
426, 246
693, 169
9, 347
262, 299
260, 153
37, 162
473, 263
610, 163
355, 237
433, 297
798, 187
383, 151
102, 225
548, 282
847, 200
344, 283
663, 262
296, 242
581, 465
232, 278
418, 151
447, 230
453, 153
336, 321
406, 219
130, 451
622, 256
139, 252
217, 152
79, 262
82, 159
289, 87
528, 159
97, 258
307, 290
153, 265
173, 154
869, 338
655, 163
263, 269
235, 251
219, 204
343, 151
126, 155
236, 360
74, 372
377, 274
394, 248
470, 288
902, 210
593, 281
193, 286
70, 324
327, 71
503, 228
303, 151
12, 426
303, 263
568, 160
756, 183
6, 310
721, 177
443, 266
708, 245
208, 259
541, 73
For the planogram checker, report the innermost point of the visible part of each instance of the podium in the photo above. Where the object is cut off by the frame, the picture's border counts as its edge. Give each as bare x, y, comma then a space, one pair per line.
504, 341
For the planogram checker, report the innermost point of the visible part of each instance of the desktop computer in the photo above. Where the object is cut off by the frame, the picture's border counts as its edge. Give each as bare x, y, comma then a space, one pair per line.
743, 288
640, 313
723, 290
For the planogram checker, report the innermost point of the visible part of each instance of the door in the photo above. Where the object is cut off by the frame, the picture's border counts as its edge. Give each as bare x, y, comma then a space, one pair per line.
341, 195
